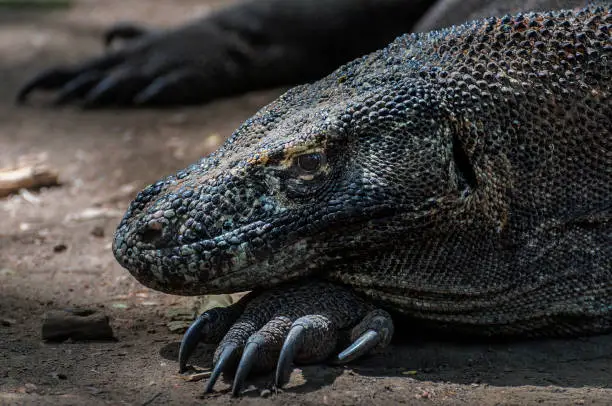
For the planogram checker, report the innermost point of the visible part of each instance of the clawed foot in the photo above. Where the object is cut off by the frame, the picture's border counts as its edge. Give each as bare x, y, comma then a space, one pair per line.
290, 324
188, 65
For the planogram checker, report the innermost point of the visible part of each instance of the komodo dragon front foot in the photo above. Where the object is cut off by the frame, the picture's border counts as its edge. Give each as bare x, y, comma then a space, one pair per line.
192, 64
302, 323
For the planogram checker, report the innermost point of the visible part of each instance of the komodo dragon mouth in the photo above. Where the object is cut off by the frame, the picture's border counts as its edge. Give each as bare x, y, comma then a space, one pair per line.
258, 253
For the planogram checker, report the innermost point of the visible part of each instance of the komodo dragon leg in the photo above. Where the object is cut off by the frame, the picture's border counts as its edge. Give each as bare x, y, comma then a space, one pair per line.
246, 46
305, 322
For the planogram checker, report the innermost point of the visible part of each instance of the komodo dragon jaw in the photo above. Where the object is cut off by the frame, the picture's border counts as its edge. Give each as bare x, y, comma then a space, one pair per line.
289, 192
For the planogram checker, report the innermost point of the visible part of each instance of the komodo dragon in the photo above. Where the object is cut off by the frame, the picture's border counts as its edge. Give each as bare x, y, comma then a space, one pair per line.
461, 177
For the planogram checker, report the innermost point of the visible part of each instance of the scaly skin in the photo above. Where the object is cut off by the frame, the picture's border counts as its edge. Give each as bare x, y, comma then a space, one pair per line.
461, 177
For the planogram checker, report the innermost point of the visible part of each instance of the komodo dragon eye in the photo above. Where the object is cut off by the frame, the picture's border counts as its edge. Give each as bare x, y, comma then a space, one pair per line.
311, 162
306, 174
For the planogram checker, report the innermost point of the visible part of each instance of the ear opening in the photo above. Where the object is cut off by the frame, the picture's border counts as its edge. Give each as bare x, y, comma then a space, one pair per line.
463, 166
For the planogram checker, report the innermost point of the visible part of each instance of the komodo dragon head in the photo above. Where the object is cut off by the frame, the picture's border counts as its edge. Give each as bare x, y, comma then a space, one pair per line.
384, 152
321, 175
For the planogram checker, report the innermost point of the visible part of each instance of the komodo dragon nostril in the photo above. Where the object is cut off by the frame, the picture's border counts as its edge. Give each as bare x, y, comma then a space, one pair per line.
152, 233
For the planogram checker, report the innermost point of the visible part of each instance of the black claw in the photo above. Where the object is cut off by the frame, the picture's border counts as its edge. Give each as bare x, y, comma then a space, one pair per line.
118, 89
361, 346
190, 340
171, 89
48, 80
225, 358
78, 88
125, 31
287, 355
245, 366
153, 93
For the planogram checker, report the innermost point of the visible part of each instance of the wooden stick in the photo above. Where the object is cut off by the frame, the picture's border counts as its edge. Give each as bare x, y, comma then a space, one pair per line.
29, 177
77, 324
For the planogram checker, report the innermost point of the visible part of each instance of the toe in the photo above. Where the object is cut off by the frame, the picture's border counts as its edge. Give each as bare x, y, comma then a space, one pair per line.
209, 327
47, 80
258, 344
362, 345
249, 357
226, 360
78, 87
371, 335
311, 339
184, 86
117, 89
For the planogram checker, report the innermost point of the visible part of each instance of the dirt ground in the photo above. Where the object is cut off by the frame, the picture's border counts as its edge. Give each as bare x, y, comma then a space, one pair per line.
53, 256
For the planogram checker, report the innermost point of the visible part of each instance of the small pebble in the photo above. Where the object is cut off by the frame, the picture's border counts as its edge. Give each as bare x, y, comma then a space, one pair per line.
30, 388
76, 324
7, 272
178, 326
98, 231
122, 306
60, 248
58, 375
180, 313
423, 395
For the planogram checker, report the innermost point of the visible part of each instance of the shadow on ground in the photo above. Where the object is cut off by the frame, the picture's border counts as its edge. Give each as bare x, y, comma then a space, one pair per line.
576, 362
